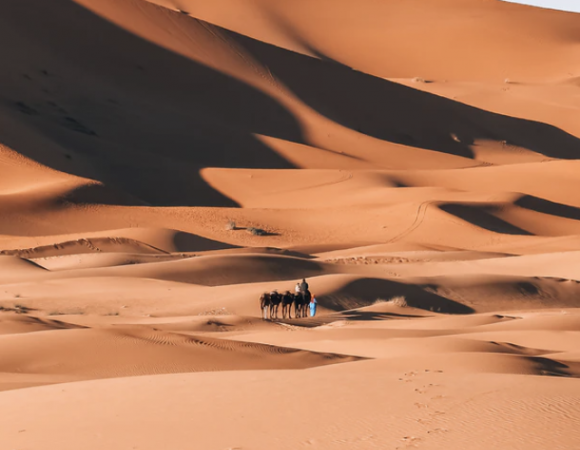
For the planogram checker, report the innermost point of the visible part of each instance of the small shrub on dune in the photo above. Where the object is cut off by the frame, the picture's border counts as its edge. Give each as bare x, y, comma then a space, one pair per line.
18, 309
399, 301
256, 231
21, 309
231, 225
455, 137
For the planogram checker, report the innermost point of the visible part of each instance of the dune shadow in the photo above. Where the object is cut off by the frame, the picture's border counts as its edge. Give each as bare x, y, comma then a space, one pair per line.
187, 242
287, 252
482, 216
365, 292
356, 315
551, 367
396, 113
547, 207
96, 101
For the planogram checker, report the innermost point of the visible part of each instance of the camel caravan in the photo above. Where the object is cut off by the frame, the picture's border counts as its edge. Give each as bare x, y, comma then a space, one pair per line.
304, 303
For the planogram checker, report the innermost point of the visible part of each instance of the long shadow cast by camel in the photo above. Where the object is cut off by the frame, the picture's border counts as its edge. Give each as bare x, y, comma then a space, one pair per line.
482, 216
392, 112
365, 292
99, 102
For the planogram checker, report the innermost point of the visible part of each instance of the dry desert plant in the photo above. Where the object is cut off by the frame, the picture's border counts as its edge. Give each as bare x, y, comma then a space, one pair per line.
256, 231
398, 301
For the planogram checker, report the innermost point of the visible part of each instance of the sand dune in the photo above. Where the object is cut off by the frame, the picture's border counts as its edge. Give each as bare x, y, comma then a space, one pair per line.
163, 163
90, 354
353, 34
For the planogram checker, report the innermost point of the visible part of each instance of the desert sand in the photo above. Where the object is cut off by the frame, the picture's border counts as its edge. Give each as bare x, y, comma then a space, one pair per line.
416, 161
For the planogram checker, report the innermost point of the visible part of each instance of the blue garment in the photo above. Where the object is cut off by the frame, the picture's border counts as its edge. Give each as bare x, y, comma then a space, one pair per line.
313, 307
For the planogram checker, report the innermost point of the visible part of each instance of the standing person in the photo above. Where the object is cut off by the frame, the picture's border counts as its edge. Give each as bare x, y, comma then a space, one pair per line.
313, 303
303, 286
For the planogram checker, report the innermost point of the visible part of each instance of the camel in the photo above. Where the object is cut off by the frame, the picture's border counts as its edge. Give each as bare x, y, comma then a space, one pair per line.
265, 304
275, 299
301, 301
298, 305
305, 298
270, 302
287, 301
